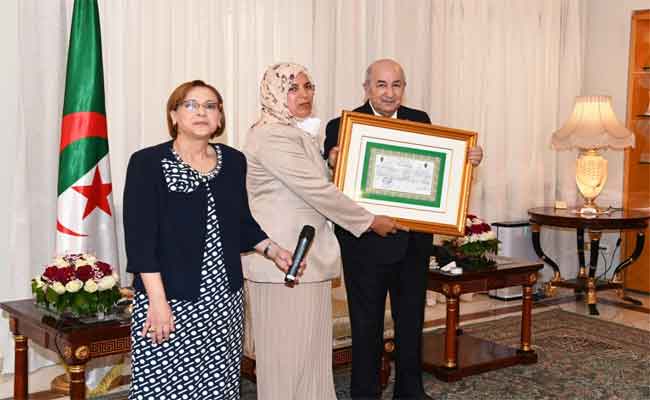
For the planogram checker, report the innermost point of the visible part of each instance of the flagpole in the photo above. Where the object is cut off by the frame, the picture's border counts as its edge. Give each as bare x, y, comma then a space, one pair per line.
85, 212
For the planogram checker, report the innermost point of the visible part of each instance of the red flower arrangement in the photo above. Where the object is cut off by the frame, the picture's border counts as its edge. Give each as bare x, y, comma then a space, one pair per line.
77, 283
473, 250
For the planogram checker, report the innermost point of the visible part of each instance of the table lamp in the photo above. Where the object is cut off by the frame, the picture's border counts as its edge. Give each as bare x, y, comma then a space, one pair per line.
592, 128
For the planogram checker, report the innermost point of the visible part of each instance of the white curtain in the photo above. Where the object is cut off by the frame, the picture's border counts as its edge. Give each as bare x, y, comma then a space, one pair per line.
505, 68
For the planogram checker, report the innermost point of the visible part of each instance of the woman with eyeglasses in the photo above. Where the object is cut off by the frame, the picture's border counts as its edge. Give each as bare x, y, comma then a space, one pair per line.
186, 221
289, 186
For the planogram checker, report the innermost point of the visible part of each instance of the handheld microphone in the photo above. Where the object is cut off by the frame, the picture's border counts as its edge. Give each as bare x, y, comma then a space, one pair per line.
304, 242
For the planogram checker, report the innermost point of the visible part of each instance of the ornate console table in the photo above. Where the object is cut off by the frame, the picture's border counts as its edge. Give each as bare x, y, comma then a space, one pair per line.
615, 220
453, 355
75, 343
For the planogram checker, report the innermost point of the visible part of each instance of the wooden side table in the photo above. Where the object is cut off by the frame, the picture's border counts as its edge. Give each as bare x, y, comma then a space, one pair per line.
454, 354
74, 342
586, 282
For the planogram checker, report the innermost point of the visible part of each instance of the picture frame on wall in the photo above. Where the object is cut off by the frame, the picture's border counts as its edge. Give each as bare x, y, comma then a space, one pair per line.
416, 173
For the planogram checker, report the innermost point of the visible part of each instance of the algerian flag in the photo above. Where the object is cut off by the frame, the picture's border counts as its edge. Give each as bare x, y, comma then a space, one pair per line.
85, 221
85, 209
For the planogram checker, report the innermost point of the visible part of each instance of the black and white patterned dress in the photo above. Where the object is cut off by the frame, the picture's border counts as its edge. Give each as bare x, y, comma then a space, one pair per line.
201, 359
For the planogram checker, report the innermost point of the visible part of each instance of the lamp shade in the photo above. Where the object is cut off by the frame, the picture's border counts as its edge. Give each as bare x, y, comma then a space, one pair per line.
592, 125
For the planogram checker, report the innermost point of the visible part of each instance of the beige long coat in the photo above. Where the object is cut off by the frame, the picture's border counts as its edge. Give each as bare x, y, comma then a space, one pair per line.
289, 186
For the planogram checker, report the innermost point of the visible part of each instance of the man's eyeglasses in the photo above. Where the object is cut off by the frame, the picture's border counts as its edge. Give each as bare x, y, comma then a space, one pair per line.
193, 106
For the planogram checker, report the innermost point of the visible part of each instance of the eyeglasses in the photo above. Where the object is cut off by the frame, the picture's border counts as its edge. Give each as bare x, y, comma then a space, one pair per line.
193, 106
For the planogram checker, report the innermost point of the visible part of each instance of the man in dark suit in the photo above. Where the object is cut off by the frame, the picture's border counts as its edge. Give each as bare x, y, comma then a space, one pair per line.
374, 266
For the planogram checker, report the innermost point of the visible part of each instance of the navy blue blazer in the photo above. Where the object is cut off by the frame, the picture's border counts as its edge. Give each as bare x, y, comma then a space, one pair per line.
165, 231
377, 249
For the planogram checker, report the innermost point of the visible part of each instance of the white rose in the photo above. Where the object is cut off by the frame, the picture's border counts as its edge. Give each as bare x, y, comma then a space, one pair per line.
81, 262
484, 236
74, 285
60, 262
58, 287
90, 286
39, 282
106, 283
90, 258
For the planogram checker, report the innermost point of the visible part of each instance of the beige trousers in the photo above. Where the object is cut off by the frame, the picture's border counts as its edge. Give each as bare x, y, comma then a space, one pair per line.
292, 328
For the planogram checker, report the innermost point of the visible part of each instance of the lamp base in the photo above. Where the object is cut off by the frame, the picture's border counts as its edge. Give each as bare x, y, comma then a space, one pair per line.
591, 175
591, 210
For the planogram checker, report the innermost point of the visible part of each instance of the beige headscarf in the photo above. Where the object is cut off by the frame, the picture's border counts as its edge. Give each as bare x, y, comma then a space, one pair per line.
273, 93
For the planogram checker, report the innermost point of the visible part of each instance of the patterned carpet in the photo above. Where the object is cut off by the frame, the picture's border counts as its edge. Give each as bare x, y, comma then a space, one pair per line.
580, 357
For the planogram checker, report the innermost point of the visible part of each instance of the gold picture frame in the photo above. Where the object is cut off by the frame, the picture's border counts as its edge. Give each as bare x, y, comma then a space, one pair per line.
417, 173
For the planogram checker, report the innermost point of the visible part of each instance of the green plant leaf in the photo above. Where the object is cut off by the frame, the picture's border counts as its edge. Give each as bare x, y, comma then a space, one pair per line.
51, 296
40, 297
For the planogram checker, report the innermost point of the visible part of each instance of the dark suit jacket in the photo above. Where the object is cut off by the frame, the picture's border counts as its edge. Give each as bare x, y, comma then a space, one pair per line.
375, 248
165, 231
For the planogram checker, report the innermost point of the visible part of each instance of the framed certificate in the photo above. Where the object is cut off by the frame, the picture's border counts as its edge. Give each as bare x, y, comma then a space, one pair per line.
414, 172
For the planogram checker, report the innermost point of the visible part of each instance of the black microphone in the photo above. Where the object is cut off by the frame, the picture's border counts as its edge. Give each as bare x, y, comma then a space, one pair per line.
304, 241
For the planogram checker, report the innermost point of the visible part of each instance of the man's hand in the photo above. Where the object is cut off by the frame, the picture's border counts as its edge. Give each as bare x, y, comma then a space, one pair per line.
475, 155
332, 157
382, 225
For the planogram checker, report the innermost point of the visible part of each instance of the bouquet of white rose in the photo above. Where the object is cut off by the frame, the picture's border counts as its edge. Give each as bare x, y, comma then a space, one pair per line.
77, 283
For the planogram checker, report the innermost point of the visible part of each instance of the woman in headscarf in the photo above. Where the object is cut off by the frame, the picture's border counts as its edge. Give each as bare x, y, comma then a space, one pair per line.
289, 186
